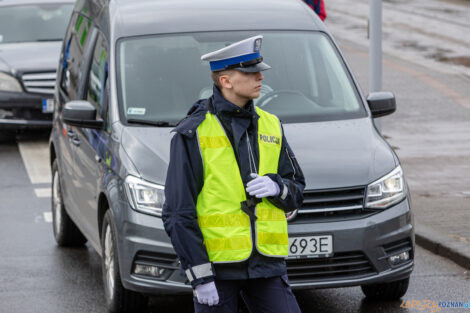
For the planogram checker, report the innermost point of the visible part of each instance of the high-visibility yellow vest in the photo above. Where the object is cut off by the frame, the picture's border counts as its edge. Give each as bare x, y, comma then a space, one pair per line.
225, 227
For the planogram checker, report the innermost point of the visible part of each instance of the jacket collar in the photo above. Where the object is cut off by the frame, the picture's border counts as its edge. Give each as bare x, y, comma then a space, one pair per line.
197, 112
227, 108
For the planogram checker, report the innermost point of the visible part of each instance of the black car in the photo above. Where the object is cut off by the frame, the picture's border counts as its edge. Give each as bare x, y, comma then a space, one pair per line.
128, 72
31, 33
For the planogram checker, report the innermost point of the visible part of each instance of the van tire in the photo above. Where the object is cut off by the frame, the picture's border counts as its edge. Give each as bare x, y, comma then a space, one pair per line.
118, 299
386, 291
66, 233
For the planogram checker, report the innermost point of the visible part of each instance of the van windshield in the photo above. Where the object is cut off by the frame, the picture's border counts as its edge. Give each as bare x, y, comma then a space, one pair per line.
34, 22
160, 77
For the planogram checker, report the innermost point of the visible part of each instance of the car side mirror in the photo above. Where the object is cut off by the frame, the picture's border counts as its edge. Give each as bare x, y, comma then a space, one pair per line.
81, 114
381, 103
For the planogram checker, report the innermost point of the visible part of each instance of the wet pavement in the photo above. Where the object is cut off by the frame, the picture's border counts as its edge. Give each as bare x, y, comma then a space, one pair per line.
433, 33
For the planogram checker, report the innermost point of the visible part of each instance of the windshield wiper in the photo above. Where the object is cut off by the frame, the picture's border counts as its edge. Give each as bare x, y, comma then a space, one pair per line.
151, 123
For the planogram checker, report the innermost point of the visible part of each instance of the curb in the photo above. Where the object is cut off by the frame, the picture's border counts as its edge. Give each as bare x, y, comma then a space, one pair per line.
452, 249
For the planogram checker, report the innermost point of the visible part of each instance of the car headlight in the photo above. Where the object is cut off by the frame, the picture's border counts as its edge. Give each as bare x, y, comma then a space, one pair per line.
9, 83
387, 190
145, 197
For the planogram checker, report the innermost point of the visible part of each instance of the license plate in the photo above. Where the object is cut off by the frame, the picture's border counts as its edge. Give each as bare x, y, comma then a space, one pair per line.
311, 246
47, 105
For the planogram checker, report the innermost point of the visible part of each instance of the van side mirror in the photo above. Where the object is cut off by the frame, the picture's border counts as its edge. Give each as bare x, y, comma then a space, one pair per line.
81, 114
381, 103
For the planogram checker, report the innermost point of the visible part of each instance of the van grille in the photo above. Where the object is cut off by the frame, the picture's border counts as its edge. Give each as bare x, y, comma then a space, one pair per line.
325, 205
39, 82
343, 265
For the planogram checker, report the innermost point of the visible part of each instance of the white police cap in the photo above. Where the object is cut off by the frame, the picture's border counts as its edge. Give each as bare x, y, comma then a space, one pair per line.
243, 56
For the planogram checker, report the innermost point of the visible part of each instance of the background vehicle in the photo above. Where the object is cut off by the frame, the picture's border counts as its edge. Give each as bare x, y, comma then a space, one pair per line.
123, 82
31, 33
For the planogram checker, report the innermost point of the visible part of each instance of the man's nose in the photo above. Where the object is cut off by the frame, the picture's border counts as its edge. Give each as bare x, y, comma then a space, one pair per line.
260, 76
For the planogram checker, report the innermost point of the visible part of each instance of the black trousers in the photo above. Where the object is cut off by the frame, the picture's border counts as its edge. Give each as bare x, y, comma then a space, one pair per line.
261, 295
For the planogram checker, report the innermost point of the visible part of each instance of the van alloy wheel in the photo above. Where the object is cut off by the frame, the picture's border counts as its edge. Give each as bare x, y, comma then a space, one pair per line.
109, 261
66, 233
56, 202
118, 298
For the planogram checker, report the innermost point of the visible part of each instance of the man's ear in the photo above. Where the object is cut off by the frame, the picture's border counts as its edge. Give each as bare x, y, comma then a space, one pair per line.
225, 82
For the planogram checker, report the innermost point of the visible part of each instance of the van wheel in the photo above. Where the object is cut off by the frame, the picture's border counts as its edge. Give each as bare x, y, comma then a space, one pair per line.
66, 233
386, 291
118, 299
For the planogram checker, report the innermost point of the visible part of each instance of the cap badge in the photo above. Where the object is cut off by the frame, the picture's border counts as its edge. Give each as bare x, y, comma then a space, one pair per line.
257, 46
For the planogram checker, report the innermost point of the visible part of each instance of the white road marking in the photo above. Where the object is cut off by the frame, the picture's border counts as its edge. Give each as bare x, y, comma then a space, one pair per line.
35, 157
48, 217
43, 192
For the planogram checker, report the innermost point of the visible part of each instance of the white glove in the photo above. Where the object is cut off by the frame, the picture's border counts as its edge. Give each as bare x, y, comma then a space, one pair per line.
262, 186
207, 294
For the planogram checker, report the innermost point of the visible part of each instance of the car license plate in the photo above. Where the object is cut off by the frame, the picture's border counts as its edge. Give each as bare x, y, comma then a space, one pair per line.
311, 246
47, 105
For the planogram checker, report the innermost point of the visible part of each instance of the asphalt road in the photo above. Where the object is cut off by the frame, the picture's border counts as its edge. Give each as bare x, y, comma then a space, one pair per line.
38, 276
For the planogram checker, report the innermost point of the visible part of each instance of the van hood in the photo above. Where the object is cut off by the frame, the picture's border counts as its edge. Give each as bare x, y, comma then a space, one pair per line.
30, 56
331, 154
343, 153
149, 150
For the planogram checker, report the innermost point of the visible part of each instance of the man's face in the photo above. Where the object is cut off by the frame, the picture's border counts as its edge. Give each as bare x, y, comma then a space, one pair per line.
246, 85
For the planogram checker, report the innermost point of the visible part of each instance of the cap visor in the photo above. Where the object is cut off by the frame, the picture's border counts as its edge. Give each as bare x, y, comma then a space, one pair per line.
254, 68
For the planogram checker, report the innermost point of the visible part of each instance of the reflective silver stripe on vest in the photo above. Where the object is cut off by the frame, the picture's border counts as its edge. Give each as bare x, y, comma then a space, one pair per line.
284, 192
199, 271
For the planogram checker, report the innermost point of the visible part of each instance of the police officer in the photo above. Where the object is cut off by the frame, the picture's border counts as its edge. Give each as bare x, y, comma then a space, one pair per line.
232, 177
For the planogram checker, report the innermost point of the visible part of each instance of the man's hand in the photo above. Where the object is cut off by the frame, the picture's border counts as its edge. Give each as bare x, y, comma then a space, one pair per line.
262, 186
207, 294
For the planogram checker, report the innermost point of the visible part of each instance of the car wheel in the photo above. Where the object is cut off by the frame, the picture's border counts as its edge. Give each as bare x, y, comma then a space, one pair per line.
118, 299
66, 233
386, 291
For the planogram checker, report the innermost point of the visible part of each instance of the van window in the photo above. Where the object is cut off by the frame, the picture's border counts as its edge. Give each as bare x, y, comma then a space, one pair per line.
98, 75
160, 77
75, 43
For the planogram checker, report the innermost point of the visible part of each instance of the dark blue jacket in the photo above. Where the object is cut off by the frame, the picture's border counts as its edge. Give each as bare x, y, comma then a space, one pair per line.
185, 179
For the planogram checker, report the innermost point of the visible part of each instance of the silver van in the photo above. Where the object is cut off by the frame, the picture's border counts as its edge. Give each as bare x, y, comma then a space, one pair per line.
129, 71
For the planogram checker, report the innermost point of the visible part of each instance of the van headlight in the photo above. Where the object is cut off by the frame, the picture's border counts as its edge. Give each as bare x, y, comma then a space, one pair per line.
387, 190
9, 83
145, 197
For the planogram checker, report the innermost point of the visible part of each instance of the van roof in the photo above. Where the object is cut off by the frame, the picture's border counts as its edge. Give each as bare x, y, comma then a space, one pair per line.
176, 16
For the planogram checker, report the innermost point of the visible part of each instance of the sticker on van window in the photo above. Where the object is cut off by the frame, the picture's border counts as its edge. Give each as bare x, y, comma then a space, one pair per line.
136, 111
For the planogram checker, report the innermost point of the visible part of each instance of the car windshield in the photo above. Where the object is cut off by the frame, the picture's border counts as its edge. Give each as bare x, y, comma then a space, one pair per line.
160, 77
34, 22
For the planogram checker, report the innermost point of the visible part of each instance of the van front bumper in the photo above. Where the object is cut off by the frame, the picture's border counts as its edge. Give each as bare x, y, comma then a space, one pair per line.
144, 241
361, 250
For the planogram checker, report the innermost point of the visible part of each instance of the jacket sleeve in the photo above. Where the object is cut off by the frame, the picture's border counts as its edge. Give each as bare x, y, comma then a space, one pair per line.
290, 179
183, 183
